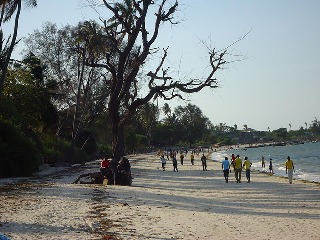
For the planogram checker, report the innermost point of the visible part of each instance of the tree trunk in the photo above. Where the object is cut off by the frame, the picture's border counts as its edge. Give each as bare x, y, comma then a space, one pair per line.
118, 147
4, 68
120, 166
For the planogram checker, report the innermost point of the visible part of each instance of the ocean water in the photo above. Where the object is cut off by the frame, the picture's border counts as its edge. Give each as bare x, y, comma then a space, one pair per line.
306, 159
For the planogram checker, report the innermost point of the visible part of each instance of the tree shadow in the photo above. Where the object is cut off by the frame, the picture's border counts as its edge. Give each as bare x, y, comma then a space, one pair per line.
254, 198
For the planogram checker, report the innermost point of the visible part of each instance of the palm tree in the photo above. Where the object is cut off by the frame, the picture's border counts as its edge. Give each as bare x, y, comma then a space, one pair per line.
91, 41
149, 115
166, 109
89, 45
8, 8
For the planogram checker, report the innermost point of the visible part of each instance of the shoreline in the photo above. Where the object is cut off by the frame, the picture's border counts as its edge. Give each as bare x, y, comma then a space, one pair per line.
274, 175
306, 170
189, 204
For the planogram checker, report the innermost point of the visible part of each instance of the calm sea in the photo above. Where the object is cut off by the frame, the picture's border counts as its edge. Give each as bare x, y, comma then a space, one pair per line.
306, 158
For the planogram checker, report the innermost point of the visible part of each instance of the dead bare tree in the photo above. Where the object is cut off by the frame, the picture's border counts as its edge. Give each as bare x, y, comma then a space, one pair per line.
131, 42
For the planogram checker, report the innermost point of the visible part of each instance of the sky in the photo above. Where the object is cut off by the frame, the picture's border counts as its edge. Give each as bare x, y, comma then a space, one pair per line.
273, 78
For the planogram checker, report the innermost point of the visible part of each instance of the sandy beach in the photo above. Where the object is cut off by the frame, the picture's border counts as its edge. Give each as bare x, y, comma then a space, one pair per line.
189, 204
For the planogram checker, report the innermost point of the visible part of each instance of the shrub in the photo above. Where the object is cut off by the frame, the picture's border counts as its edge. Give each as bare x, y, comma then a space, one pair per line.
57, 150
18, 154
105, 150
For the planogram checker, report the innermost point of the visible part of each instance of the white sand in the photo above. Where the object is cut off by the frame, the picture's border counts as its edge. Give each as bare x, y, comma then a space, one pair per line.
189, 204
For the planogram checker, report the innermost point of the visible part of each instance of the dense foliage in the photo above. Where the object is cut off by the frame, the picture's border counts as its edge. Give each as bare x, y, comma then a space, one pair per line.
28, 123
18, 153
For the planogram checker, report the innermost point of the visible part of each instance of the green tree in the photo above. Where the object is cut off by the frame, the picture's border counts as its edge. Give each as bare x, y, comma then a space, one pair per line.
27, 115
8, 8
25, 90
163, 135
193, 124
166, 109
18, 153
167, 131
315, 126
280, 134
79, 91
148, 115
34, 114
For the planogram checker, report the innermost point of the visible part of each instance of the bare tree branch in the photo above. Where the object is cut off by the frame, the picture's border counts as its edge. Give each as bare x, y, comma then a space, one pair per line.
131, 44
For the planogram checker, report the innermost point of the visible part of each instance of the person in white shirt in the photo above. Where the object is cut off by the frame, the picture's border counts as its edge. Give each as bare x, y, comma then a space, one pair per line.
163, 162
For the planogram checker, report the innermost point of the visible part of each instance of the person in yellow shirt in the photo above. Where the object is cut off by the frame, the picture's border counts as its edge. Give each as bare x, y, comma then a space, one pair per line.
238, 168
192, 158
181, 158
289, 169
247, 165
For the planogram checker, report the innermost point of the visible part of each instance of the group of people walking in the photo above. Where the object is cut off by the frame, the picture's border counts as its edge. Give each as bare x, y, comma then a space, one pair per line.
173, 157
237, 164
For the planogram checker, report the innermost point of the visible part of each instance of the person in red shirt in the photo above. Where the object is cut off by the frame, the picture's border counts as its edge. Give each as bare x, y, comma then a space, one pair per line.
104, 165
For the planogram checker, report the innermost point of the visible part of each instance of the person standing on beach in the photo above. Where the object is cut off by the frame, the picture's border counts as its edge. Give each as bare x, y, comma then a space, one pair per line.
270, 166
289, 169
238, 168
192, 158
175, 163
226, 168
233, 157
263, 163
181, 158
104, 166
204, 162
247, 165
163, 162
